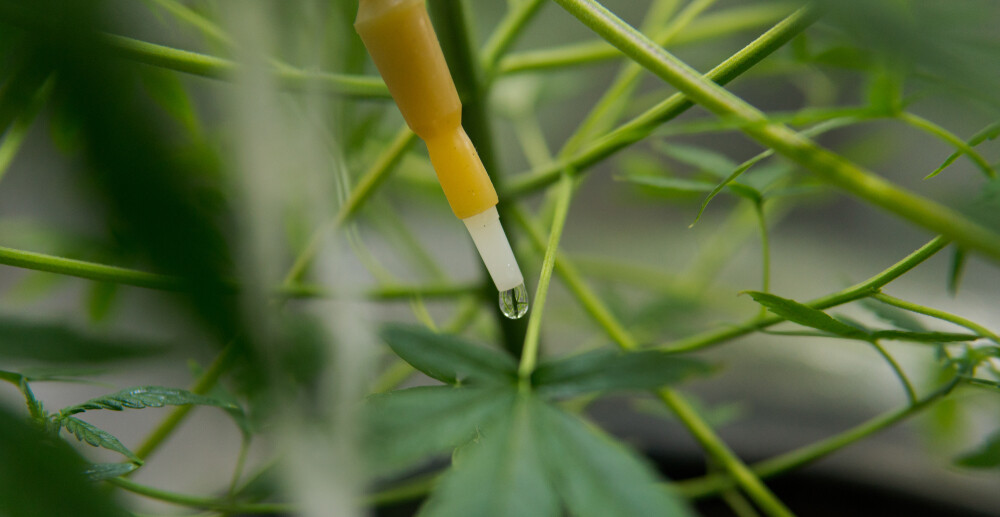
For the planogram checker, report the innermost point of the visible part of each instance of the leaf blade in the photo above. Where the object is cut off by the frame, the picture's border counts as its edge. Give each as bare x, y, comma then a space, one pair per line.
97, 437
143, 397
611, 370
806, 316
448, 358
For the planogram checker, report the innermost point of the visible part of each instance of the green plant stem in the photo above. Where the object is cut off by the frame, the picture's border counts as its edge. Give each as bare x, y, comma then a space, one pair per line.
203, 385
212, 67
716, 448
949, 137
830, 167
510, 27
713, 484
606, 111
204, 503
529, 357
855, 292
124, 276
711, 26
574, 282
939, 314
643, 125
897, 370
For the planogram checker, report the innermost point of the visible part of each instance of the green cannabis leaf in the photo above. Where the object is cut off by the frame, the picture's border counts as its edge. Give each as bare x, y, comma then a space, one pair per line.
612, 370
145, 396
93, 435
448, 358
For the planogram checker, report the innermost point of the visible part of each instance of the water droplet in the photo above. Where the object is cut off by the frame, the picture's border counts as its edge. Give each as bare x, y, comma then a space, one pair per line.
514, 302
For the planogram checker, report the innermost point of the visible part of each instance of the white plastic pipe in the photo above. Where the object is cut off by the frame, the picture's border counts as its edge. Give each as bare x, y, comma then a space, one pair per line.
491, 241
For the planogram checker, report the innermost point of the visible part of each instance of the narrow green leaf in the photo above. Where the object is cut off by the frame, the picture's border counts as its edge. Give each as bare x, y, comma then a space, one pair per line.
501, 474
143, 397
613, 370
990, 132
807, 316
448, 358
731, 177
745, 191
669, 184
100, 300
93, 435
924, 337
596, 476
102, 471
956, 270
167, 91
404, 427
987, 456
893, 315
24, 339
704, 160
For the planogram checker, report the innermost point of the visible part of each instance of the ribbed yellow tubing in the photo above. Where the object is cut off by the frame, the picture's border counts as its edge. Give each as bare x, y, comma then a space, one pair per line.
401, 40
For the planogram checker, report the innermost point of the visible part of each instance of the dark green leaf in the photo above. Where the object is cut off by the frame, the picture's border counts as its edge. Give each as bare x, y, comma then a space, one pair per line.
611, 370
596, 476
42, 341
669, 184
89, 433
956, 269
102, 471
404, 427
100, 299
166, 90
893, 315
704, 160
40, 477
924, 337
448, 358
807, 316
506, 458
146, 396
987, 456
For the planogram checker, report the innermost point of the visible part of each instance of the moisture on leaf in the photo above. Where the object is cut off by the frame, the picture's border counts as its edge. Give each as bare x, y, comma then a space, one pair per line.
145, 396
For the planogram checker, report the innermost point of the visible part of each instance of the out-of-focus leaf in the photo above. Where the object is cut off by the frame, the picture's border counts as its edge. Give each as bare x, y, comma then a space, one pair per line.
404, 427
956, 269
506, 458
924, 337
987, 456
236, 412
93, 435
34, 286
23, 339
807, 316
102, 471
595, 475
893, 315
448, 358
167, 91
704, 160
612, 370
885, 91
100, 299
40, 477
143, 397
669, 184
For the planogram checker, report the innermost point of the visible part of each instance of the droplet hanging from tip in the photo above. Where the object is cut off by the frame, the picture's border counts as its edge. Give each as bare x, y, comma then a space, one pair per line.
514, 302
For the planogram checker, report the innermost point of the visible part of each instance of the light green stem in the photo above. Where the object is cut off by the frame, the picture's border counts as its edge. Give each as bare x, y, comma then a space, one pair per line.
709, 27
506, 33
897, 370
643, 125
529, 356
939, 314
855, 292
959, 144
830, 167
